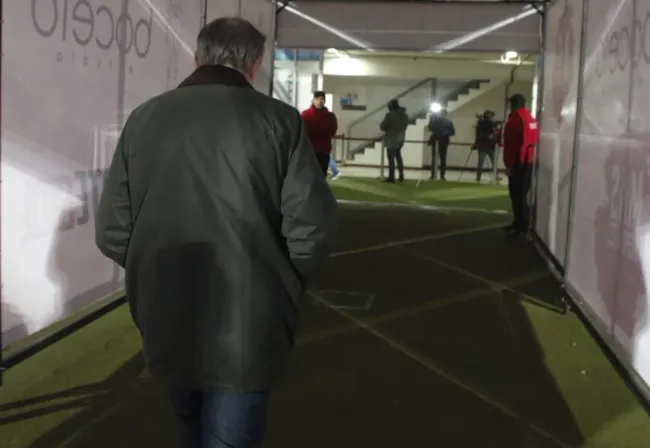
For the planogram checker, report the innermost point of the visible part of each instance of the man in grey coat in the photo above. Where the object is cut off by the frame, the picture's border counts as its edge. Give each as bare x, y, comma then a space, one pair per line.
218, 210
394, 127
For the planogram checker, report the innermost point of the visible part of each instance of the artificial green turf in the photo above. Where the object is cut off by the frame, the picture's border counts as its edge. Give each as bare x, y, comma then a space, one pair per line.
450, 362
456, 194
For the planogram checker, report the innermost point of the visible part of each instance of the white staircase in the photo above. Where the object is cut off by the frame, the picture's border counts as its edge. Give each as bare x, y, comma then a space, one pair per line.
416, 155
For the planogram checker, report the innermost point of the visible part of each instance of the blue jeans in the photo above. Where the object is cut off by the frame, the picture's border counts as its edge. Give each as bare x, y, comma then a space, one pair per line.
215, 418
335, 170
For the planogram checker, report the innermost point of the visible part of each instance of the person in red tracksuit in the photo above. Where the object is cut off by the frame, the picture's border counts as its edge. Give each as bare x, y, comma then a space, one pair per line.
520, 136
321, 126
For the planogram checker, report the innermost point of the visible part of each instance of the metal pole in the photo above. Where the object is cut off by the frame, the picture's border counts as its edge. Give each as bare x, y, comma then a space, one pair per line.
348, 142
382, 163
272, 56
532, 195
576, 136
320, 81
203, 20
294, 84
434, 159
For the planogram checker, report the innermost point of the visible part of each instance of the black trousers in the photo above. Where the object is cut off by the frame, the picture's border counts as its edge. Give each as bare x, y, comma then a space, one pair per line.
519, 184
323, 161
439, 147
484, 153
395, 157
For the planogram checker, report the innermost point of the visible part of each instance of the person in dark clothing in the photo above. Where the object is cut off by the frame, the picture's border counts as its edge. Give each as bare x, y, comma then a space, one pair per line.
394, 127
321, 126
520, 136
442, 129
216, 206
485, 142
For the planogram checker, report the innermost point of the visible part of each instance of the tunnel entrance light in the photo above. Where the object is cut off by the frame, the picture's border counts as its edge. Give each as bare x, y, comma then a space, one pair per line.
436, 107
510, 56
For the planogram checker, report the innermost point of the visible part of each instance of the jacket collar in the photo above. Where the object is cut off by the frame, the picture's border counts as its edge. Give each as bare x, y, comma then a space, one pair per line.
216, 74
315, 109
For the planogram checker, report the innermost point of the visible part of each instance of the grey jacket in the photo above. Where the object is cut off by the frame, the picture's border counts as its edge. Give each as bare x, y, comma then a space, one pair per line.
217, 208
394, 127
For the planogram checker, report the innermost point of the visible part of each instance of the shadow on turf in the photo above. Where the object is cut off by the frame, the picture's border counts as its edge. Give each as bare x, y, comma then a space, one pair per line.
134, 403
356, 390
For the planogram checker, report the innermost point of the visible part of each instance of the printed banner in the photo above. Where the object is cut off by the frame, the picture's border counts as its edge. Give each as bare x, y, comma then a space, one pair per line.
609, 252
71, 72
558, 124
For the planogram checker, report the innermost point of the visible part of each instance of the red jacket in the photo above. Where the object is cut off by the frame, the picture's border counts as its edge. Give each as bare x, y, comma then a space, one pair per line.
520, 136
321, 126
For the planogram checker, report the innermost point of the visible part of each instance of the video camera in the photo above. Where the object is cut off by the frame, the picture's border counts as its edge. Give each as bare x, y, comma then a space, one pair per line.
497, 123
482, 114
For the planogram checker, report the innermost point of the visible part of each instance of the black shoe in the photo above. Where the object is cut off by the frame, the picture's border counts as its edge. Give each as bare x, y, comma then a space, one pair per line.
401, 179
509, 227
389, 181
515, 231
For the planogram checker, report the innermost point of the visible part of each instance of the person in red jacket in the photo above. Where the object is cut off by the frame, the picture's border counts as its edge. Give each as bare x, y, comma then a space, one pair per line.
520, 136
321, 126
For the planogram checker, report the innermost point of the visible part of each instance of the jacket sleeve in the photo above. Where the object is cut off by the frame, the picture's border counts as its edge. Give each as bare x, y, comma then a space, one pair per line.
113, 220
335, 125
308, 209
452, 129
513, 139
383, 126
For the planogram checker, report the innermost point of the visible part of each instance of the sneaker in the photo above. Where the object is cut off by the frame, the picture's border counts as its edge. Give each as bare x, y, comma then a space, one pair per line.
335, 176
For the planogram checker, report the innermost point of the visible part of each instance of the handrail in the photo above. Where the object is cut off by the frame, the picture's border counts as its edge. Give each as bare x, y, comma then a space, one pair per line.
384, 105
461, 89
451, 143
396, 97
350, 152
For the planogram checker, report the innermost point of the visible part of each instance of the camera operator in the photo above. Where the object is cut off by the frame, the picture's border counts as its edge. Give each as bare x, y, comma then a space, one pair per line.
485, 141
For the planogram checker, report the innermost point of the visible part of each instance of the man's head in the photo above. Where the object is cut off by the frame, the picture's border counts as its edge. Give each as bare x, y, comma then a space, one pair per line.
517, 101
443, 112
233, 43
393, 104
319, 99
488, 115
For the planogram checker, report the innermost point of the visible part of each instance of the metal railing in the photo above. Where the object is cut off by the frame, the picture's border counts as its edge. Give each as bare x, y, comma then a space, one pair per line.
355, 129
420, 112
453, 146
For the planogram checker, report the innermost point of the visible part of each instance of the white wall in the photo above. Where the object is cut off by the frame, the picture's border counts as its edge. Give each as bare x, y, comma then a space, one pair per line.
412, 68
375, 92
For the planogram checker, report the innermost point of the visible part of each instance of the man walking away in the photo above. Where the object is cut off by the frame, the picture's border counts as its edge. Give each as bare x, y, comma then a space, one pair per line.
216, 207
394, 127
485, 142
442, 129
321, 126
520, 136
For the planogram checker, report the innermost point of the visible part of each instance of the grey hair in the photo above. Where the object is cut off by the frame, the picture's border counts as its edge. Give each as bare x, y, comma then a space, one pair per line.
232, 42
